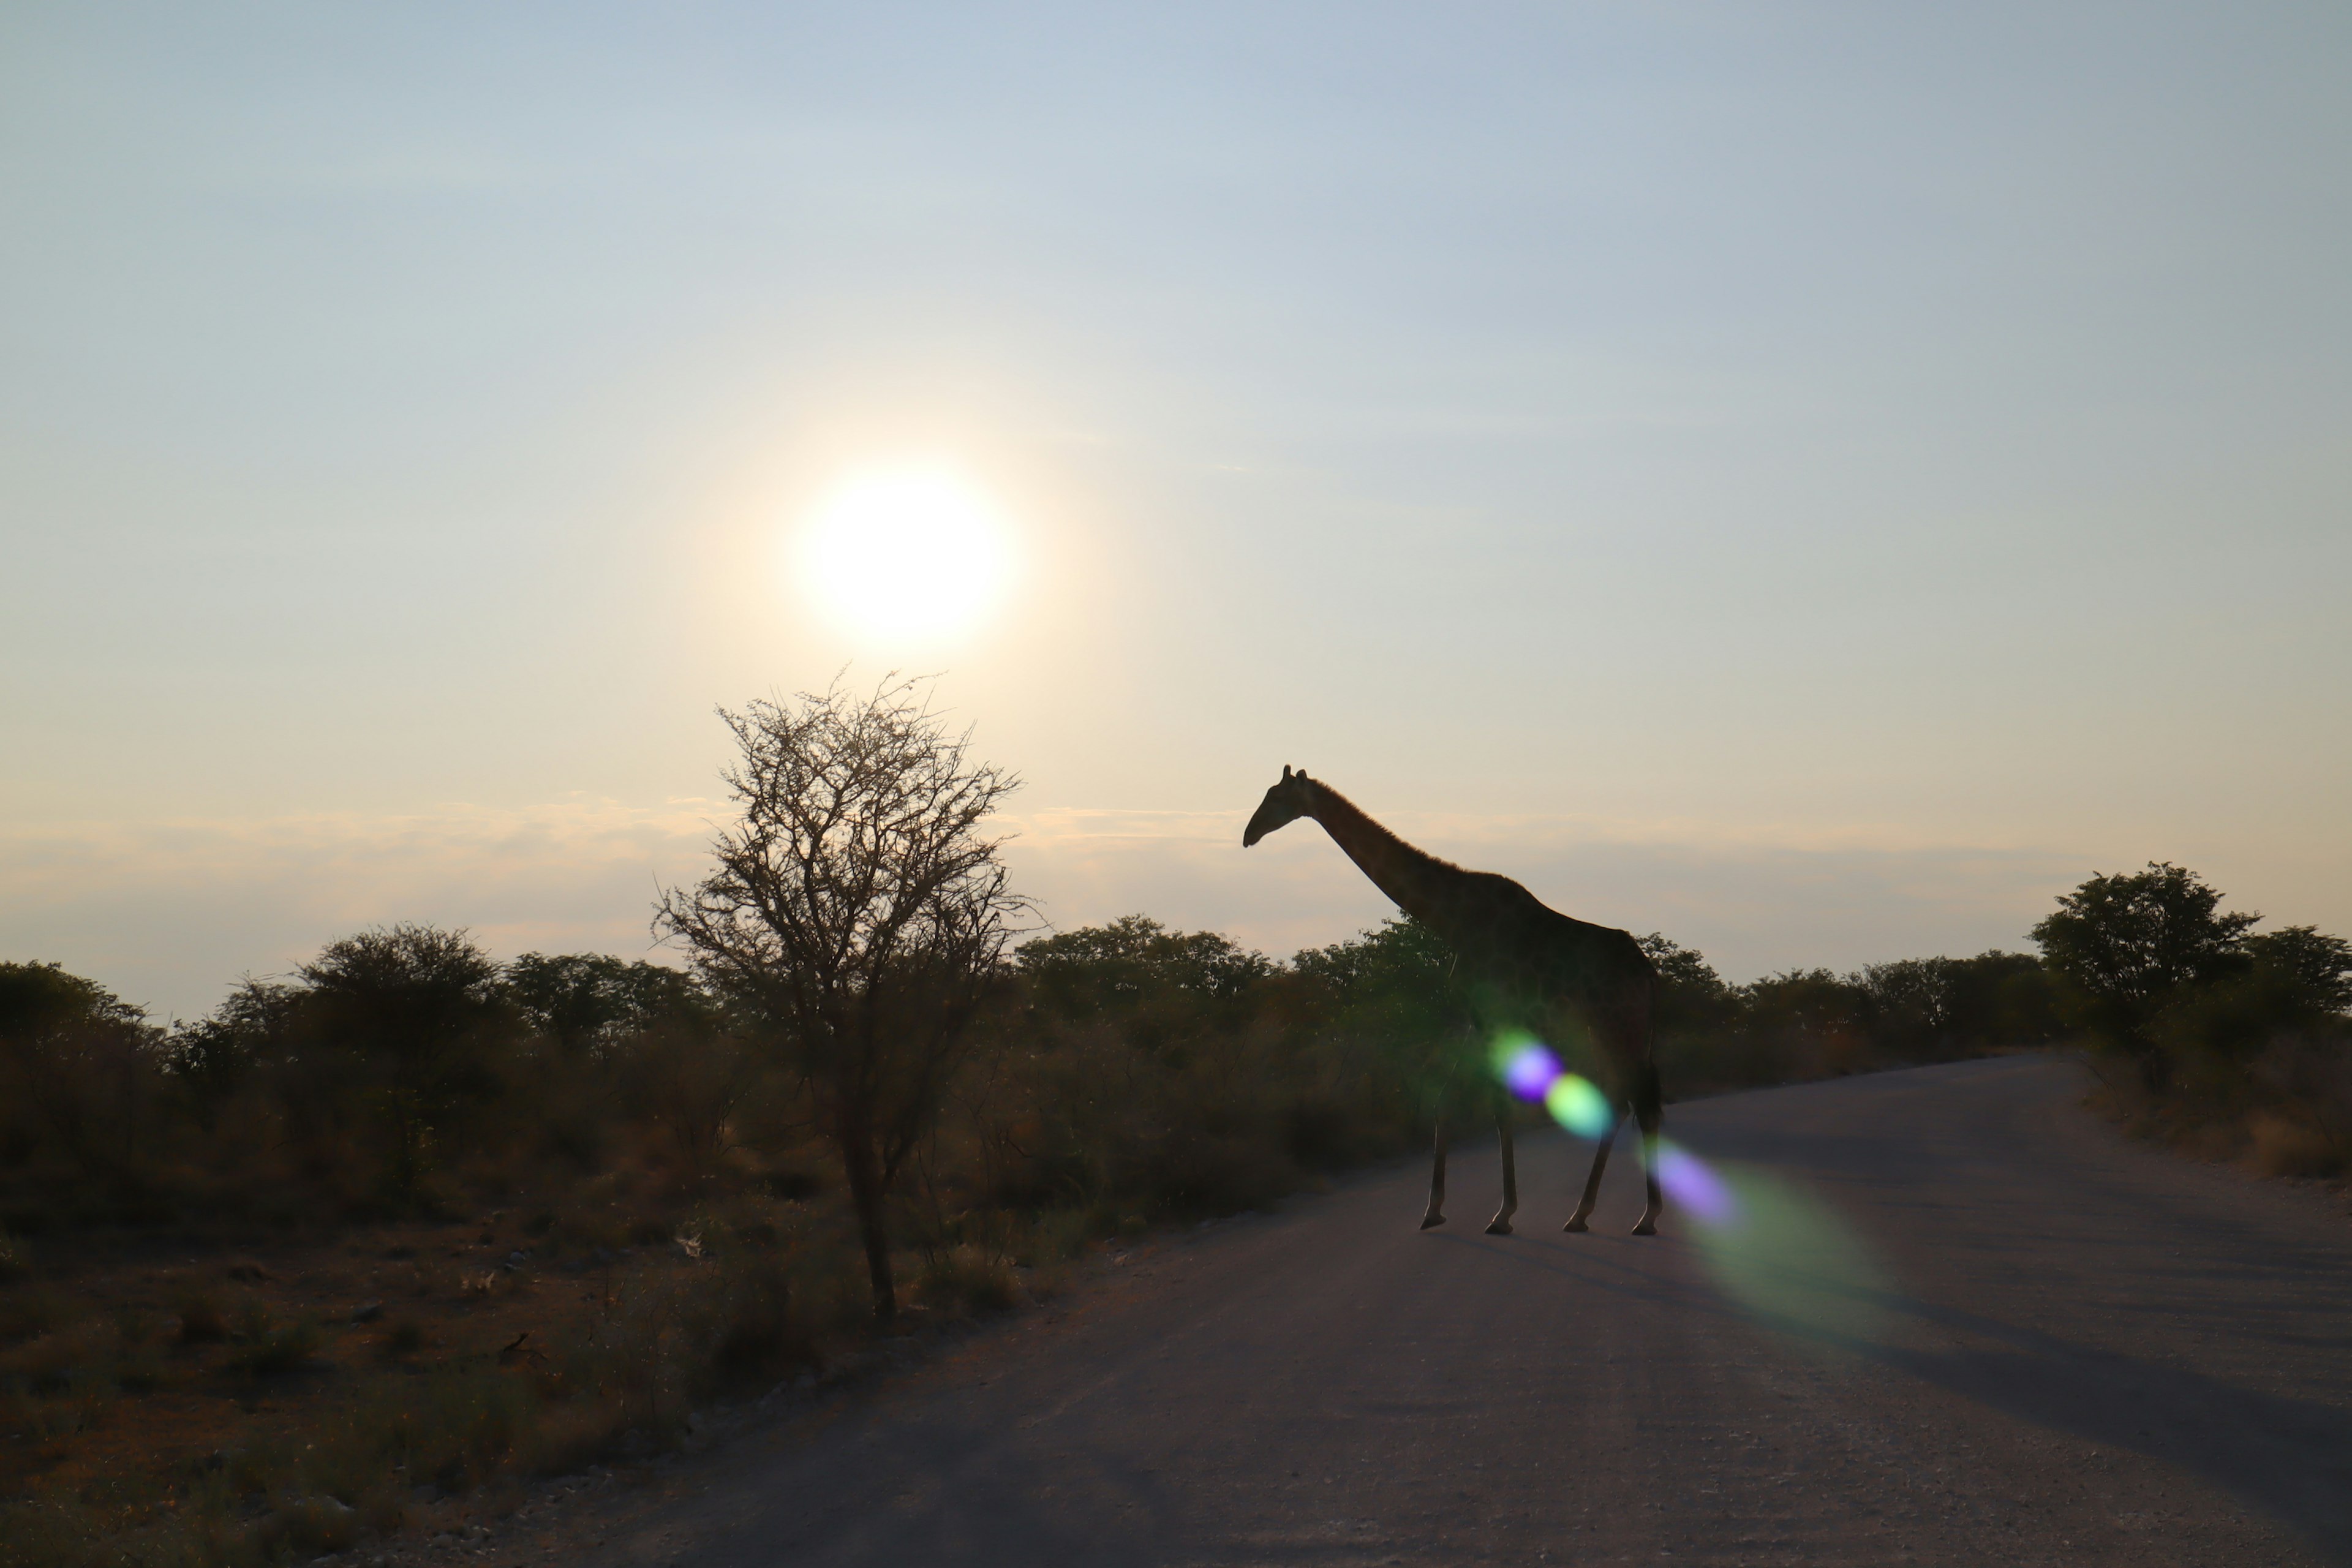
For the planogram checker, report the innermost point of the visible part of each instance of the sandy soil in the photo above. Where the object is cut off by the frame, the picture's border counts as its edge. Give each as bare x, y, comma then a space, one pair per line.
1947, 1316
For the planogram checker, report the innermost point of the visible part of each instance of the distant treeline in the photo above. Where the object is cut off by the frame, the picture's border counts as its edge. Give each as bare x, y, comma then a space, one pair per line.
1123, 1072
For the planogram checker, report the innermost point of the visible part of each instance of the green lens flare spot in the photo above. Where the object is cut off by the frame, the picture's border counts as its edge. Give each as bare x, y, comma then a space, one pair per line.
1578, 1106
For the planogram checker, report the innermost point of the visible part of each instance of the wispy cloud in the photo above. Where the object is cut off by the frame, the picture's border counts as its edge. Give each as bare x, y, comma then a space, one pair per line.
1755, 899
170, 912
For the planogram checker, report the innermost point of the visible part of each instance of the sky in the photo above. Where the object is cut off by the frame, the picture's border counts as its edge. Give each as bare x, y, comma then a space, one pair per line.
1819, 481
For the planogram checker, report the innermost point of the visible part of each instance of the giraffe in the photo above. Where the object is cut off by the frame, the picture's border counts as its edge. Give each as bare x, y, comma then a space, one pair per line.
1521, 963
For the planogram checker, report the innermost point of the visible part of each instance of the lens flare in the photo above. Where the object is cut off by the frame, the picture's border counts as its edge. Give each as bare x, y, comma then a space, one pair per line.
1578, 1106
1531, 1071
1781, 1254
1505, 1047
1689, 1182
1776, 1248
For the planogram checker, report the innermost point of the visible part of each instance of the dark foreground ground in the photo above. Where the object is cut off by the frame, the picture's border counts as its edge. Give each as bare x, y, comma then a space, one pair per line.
1951, 1318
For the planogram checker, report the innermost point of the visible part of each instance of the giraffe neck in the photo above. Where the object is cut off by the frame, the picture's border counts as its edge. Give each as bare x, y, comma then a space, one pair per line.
1422, 885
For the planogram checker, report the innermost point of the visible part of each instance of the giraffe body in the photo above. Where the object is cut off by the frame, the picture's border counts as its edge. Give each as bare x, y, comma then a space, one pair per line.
1583, 989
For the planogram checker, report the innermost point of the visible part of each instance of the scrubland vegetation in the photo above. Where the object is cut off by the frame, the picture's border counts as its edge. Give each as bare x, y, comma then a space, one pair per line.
2230, 1042
411, 1223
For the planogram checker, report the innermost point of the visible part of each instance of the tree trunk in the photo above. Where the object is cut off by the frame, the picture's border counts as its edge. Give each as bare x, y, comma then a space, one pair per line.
865, 1172
2155, 1065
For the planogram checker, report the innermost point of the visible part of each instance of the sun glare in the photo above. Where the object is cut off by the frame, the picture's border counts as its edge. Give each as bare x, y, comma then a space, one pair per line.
906, 554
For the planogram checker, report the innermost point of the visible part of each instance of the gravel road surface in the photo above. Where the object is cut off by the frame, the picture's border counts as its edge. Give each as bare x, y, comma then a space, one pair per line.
1943, 1316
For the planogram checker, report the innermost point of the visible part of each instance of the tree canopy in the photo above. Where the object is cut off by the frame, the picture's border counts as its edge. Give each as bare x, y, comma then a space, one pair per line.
856, 912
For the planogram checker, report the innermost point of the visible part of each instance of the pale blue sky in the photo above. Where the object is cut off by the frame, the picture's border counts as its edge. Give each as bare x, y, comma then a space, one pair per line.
1820, 480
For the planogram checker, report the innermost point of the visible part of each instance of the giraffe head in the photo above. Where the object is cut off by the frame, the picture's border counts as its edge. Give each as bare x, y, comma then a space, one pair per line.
1285, 802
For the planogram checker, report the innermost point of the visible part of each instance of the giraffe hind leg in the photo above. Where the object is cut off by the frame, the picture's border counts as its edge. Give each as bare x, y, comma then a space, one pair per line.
1648, 1223
1579, 1220
1646, 1109
1436, 1214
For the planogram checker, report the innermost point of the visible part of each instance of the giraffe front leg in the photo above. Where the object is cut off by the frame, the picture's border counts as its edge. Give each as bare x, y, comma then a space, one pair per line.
1501, 1224
1436, 1214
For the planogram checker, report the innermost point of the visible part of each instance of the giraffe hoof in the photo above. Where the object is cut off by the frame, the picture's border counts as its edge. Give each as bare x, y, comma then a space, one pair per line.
1430, 1220
1577, 1224
1647, 1227
1498, 1228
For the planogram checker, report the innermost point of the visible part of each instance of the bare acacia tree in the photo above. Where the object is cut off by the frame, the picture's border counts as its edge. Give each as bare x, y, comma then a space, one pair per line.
858, 915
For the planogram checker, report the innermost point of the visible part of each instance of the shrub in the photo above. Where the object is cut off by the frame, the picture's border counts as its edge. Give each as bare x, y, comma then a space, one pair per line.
29, 1312
57, 1360
201, 1322
268, 1349
321, 1524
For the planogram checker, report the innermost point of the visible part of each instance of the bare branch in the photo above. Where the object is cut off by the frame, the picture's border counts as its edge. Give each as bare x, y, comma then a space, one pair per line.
856, 912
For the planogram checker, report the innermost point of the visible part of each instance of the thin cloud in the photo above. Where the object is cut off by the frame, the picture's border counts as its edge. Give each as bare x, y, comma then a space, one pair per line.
171, 912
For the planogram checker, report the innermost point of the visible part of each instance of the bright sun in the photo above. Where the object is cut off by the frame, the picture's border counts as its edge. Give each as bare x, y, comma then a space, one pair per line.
905, 553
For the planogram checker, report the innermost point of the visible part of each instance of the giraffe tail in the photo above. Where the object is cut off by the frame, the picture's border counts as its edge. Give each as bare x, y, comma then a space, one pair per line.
1649, 1101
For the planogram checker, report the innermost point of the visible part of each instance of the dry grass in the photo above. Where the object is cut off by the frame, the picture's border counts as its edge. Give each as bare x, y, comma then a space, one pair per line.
227, 1409
966, 1279
2281, 1145
2288, 1112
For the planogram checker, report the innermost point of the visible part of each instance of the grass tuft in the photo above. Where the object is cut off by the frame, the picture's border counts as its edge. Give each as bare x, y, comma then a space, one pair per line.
966, 1279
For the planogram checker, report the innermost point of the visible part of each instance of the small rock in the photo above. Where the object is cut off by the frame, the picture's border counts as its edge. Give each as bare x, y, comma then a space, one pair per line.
367, 1311
517, 1258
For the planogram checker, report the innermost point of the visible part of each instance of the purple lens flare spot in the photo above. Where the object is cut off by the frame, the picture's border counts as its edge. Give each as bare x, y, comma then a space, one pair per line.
1697, 1188
1530, 1071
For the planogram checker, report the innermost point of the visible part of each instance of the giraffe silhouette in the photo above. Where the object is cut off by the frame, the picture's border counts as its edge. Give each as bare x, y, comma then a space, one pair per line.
1520, 964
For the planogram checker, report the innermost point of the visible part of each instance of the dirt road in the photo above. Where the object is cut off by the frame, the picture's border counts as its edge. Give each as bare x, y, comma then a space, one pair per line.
1945, 1317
